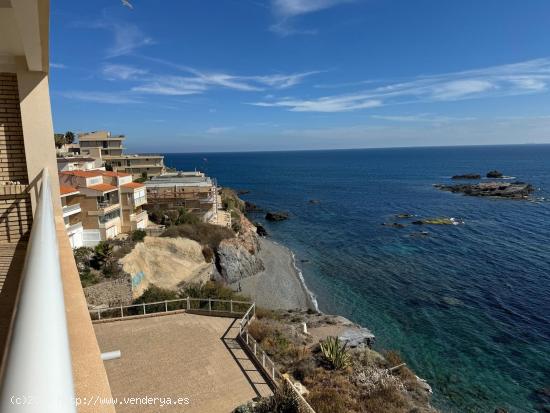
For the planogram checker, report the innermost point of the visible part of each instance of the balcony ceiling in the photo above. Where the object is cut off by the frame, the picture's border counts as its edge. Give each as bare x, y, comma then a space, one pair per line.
24, 29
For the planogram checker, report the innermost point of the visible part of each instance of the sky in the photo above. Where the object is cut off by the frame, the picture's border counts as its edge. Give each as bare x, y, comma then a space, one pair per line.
247, 75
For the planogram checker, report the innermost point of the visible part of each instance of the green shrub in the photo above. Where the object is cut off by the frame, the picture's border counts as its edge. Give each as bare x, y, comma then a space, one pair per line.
186, 217
231, 201
87, 278
336, 353
154, 294
204, 234
138, 235
210, 289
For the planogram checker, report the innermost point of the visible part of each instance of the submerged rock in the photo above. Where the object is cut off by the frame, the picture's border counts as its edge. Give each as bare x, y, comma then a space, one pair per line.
393, 225
494, 174
511, 190
438, 221
260, 230
314, 201
404, 216
467, 176
276, 216
250, 207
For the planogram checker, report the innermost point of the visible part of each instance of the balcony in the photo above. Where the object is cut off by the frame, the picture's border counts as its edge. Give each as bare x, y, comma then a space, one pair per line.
140, 201
73, 227
104, 208
69, 210
51, 311
138, 217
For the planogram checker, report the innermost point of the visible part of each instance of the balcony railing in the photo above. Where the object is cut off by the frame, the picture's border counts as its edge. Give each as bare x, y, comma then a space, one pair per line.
138, 217
71, 209
38, 372
140, 201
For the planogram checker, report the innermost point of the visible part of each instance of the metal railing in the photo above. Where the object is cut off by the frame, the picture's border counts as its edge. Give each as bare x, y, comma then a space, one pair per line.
38, 370
266, 364
210, 305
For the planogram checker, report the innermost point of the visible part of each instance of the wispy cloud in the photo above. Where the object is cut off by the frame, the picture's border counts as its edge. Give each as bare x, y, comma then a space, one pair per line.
122, 72
57, 65
532, 76
127, 37
217, 130
422, 117
286, 11
112, 98
198, 81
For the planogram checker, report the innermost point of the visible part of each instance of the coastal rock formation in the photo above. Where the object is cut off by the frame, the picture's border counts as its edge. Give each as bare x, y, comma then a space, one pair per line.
438, 221
467, 176
393, 225
250, 207
260, 230
357, 337
238, 258
166, 263
494, 174
404, 216
276, 216
236, 262
511, 190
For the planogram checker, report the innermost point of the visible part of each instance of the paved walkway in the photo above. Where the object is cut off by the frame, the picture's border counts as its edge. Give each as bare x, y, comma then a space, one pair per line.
180, 355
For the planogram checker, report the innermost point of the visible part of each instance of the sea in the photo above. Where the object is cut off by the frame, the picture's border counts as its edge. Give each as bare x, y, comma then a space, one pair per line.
467, 306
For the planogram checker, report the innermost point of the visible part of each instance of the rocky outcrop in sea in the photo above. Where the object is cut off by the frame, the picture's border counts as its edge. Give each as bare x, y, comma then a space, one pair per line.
510, 190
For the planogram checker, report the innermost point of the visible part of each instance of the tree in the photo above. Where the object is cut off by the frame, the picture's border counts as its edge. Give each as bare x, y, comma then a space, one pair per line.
59, 139
69, 137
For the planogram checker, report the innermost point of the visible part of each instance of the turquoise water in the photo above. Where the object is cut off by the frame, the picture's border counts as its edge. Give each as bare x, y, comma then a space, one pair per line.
467, 306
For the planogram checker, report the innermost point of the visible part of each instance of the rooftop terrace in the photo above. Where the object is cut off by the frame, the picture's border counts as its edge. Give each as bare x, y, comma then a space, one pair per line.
179, 355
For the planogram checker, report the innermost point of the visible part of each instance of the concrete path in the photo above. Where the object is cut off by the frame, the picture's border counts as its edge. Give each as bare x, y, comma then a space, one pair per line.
175, 356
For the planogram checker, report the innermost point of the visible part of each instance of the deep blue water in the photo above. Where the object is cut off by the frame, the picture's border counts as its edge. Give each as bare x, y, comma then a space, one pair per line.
467, 306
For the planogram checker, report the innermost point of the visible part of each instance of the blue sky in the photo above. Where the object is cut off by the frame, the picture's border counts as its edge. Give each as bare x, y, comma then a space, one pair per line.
233, 75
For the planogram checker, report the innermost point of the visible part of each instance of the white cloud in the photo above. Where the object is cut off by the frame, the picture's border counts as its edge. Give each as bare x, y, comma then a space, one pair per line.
127, 38
217, 130
112, 98
291, 8
57, 65
422, 117
122, 72
198, 81
326, 104
506, 80
286, 11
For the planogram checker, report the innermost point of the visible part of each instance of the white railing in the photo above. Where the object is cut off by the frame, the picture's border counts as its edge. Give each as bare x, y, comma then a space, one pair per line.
140, 200
210, 305
71, 209
38, 371
74, 227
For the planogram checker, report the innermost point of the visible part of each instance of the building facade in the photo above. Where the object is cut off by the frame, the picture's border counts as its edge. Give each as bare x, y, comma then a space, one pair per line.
109, 149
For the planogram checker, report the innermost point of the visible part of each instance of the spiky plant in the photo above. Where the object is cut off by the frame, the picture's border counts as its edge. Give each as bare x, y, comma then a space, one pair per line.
336, 353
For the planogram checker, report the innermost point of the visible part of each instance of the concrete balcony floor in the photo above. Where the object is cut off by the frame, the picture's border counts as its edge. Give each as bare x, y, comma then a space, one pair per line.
179, 355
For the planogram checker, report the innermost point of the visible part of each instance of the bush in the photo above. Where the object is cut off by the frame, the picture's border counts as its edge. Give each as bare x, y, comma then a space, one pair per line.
138, 235
205, 234
231, 201
87, 278
210, 289
186, 217
154, 294
336, 353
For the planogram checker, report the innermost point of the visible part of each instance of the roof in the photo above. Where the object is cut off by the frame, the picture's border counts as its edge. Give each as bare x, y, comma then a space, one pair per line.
115, 174
133, 185
67, 190
75, 159
102, 187
82, 174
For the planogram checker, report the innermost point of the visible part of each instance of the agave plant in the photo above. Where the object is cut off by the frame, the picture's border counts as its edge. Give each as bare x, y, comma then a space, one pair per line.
336, 352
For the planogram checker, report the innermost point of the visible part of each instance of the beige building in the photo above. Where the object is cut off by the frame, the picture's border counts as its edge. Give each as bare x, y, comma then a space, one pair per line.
77, 163
132, 199
109, 148
48, 348
100, 203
